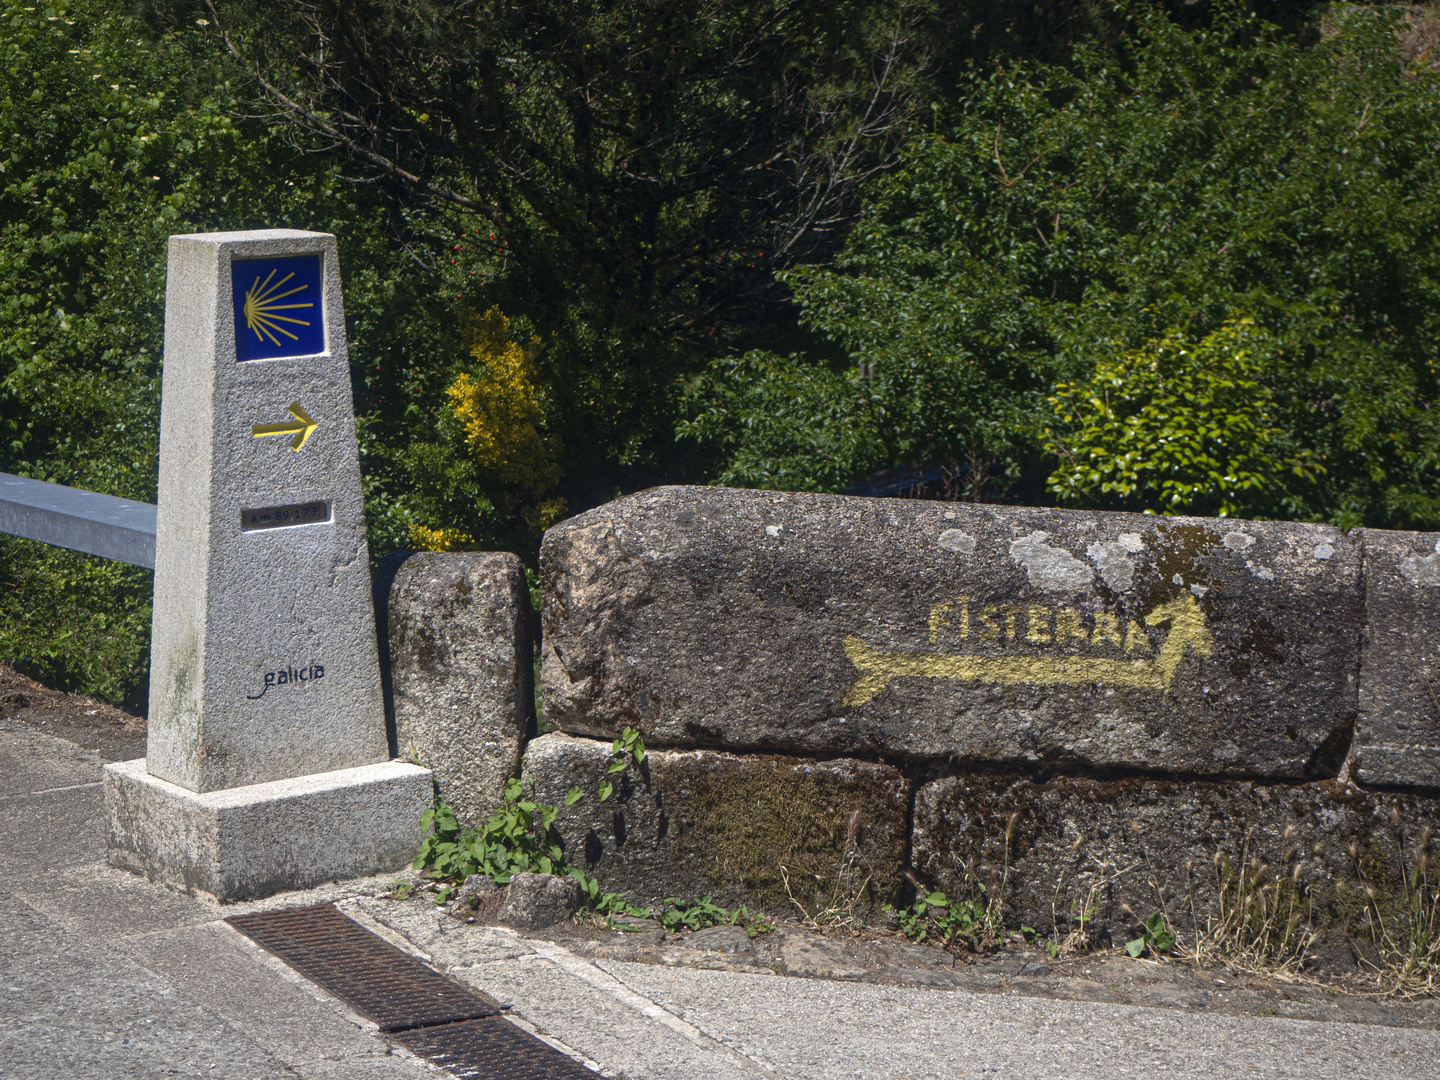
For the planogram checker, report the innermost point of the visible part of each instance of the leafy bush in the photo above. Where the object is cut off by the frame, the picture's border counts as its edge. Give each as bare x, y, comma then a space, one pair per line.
513, 841
1060, 219
1177, 427
114, 139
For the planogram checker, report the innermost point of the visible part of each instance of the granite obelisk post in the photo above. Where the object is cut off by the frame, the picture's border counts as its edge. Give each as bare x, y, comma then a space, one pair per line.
266, 724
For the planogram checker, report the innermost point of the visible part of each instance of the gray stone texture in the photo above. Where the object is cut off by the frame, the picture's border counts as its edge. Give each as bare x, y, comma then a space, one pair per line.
737, 828
244, 843
825, 624
535, 901
1154, 844
231, 606
462, 673
681, 1014
724, 939
1397, 734
105, 975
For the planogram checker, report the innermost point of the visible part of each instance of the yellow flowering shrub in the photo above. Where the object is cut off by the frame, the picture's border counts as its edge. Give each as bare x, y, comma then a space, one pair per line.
500, 410
424, 538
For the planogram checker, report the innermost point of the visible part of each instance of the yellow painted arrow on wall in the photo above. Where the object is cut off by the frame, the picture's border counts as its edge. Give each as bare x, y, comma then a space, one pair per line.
301, 427
1188, 633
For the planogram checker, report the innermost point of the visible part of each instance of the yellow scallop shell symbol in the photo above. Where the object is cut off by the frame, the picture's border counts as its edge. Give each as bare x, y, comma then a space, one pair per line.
262, 304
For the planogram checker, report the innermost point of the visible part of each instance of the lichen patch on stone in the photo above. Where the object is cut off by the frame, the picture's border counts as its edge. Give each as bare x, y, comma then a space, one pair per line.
1051, 568
1116, 568
956, 540
1421, 570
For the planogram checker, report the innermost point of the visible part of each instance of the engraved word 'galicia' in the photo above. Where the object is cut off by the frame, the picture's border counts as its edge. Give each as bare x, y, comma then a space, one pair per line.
289, 677
1187, 633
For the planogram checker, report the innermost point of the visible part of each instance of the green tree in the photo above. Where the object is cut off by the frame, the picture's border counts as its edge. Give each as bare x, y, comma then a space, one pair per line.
1176, 426
1063, 216
620, 180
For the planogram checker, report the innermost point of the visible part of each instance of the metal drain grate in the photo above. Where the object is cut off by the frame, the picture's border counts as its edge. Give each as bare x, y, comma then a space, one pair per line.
434, 1018
491, 1048
366, 972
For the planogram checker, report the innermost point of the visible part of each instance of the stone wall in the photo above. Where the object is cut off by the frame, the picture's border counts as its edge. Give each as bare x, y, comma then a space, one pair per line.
932, 631
765, 830
861, 689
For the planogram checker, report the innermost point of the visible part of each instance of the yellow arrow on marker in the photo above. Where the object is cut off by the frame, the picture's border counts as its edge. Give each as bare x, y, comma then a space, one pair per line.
301, 427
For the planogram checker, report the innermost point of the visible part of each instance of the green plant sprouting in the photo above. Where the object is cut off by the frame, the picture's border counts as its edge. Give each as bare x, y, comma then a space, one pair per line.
1155, 935
935, 915
515, 840
518, 838
627, 750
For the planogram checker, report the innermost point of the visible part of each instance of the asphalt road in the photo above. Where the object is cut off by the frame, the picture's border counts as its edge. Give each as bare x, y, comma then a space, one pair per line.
104, 975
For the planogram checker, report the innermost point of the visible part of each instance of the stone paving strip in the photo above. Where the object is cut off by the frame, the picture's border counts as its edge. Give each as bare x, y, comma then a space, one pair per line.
104, 975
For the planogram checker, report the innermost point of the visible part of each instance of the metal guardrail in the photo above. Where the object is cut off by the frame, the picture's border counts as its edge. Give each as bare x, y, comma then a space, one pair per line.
80, 520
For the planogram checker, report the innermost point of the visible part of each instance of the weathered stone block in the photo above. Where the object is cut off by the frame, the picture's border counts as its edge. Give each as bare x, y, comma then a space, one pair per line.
535, 901
1055, 846
736, 828
461, 671
1398, 732
825, 624
247, 842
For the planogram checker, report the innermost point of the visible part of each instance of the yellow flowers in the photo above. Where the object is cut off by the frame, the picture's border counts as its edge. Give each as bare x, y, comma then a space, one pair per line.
500, 410
424, 538
500, 407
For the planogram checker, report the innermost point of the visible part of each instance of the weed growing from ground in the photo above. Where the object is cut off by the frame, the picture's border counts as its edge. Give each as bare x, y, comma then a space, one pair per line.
845, 895
515, 840
1155, 935
977, 918
1405, 924
1261, 918
518, 839
933, 915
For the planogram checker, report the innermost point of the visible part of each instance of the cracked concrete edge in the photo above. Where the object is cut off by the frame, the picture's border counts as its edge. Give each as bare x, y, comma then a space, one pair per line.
273, 963
268, 960
353, 908
602, 980
51, 791
335, 892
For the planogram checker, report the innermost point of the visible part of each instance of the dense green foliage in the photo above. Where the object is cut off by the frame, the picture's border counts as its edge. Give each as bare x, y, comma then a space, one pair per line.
1060, 217
639, 169
1183, 427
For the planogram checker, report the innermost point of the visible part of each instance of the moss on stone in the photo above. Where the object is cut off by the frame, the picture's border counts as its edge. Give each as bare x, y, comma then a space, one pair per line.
753, 824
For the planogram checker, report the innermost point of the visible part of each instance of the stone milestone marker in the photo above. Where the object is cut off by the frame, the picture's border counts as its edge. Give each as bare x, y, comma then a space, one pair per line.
267, 761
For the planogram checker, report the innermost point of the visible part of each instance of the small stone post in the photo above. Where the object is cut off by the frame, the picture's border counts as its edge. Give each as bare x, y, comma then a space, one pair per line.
267, 762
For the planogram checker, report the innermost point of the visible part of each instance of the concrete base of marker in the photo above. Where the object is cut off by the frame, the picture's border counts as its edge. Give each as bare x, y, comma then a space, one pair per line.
247, 842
